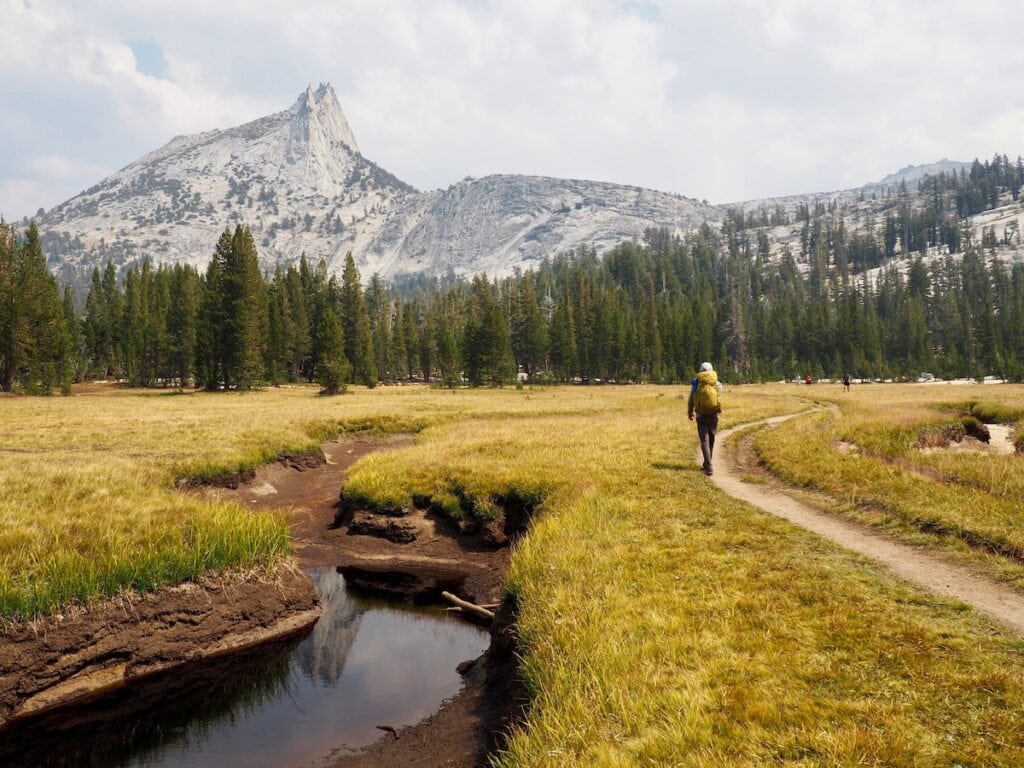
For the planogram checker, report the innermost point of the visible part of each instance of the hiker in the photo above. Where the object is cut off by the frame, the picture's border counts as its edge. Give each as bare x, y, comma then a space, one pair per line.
704, 391
808, 379
846, 382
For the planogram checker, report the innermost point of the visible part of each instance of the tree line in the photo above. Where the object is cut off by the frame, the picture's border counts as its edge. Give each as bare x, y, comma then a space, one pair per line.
643, 312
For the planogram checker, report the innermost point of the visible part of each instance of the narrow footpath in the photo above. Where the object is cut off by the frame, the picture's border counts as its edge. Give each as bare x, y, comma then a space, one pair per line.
929, 571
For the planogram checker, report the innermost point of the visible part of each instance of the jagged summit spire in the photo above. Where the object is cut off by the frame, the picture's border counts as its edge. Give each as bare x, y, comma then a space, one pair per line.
319, 113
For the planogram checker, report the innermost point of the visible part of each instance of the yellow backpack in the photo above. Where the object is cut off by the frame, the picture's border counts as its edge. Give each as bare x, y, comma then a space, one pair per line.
705, 401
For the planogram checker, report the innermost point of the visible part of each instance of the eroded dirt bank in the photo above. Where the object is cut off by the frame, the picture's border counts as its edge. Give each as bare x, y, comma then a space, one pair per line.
53, 669
91, 651
432, 553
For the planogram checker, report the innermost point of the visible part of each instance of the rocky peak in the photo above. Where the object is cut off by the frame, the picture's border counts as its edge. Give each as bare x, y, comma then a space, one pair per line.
317, 118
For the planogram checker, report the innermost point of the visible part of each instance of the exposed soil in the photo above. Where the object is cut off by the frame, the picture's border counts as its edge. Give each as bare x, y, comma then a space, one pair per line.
90, 651
142, 714
71, 659
927, 570
428, 554
310, 498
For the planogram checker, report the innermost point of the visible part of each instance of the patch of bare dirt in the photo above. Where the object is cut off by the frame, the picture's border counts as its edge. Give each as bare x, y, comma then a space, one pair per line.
414, 554
309, 497
54, 667
927, 570
94, 650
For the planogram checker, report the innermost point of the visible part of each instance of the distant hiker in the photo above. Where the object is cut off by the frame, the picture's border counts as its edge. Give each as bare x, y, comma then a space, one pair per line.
808, 379
704, 391
846, 382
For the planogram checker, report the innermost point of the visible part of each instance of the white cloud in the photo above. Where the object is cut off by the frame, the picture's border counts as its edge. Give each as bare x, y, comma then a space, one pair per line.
720, 100
57, 167
14, 193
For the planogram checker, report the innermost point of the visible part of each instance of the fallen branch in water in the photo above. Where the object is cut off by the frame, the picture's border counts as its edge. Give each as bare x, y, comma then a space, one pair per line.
467, 606
389, 729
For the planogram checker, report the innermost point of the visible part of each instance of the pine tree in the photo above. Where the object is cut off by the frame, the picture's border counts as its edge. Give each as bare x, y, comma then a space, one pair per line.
278, 331
181, 324
378, 310
323, 293
76, 340
299, 322
40, 353
399, 358
210, 321
413, 330
113, 309
332, 370
445, 341
8, 261
563, 341
529, 330
355, 323
245, 314
132, 330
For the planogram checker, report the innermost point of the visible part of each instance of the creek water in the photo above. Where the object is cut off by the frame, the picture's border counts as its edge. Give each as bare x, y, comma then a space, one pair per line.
366, 663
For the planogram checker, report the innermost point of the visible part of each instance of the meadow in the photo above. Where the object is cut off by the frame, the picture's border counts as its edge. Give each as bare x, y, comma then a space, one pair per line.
661, 622
893, 457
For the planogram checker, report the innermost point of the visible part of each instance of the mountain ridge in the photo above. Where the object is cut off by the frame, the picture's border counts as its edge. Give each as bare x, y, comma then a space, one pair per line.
298, 179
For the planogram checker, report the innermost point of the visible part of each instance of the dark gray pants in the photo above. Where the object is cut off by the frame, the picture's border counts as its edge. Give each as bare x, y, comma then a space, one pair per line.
706, 428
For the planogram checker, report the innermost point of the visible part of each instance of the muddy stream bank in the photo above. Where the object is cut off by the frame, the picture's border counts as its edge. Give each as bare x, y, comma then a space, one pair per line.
383, 653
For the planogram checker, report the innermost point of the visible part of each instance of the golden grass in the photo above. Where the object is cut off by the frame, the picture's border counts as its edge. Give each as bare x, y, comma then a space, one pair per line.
662, 622
87, 499
665, 624
964, 500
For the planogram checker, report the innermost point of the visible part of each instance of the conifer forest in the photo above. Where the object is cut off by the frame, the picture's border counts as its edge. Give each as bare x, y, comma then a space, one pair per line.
867, 302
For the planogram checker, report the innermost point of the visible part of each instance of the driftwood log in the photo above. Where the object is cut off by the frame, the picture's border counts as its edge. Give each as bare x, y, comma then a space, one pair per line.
477, 610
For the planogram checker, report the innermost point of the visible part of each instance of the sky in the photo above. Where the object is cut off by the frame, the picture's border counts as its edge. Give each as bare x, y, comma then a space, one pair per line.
723, 100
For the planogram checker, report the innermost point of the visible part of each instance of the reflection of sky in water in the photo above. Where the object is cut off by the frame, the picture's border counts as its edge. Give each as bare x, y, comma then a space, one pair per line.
366, 663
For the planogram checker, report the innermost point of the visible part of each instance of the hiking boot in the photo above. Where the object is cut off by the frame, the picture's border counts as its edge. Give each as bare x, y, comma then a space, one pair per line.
708, 470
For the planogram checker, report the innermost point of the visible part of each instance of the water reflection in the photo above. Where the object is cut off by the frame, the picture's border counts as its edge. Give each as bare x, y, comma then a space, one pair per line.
365, 663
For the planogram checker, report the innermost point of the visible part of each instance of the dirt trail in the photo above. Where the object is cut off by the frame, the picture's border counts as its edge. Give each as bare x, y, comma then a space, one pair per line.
912, 564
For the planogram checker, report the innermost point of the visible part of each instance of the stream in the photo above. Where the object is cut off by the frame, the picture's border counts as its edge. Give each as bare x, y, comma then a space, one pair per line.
287, 704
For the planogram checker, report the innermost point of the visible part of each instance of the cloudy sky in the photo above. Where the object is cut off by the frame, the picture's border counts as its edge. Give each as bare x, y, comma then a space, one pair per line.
717, 99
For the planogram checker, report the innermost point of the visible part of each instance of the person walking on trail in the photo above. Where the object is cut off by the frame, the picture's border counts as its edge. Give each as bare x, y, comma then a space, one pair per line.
846, 382
704, 391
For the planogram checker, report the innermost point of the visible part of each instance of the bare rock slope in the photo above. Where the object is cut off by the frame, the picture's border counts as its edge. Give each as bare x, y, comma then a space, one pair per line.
298, 179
